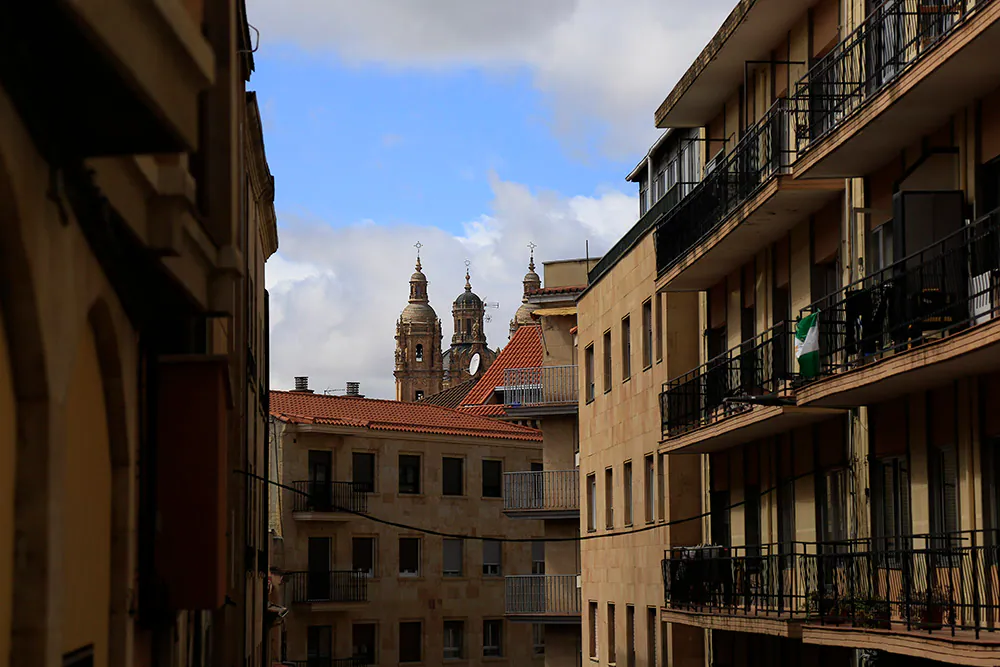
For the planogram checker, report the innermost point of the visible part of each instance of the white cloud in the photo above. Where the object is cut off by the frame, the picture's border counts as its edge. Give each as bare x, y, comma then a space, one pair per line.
336, 292
603, 66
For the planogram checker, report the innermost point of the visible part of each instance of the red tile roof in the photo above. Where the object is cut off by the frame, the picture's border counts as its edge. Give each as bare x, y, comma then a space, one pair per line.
523, 351
568, 289
490, 410
379, 415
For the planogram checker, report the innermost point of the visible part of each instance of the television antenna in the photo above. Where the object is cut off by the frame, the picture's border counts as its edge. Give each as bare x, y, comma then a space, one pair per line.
489, 304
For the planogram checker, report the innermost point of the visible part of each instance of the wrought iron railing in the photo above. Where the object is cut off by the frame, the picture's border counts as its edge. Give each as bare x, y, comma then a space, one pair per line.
541, 490
944, 288
329, 497
542, 595
757, 367
763, 152
897, 34
328, 586
541, 385
327, 662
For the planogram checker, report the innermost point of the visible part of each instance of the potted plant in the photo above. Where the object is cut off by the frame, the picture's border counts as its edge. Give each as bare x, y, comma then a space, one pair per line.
872, 613
929, 609
828, 608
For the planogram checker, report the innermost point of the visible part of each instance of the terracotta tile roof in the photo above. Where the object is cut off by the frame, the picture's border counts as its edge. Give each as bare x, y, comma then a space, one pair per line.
568, 289
523, 351
453, 396
302, 408
489, 410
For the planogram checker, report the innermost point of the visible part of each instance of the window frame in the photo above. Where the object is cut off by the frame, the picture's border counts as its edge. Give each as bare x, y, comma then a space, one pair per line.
609, 498
649, 475
647, 334
592, 502
612, 639
373, 541
594, 628
626, 346
420, 641
363, 486
416, 574
419, 474
497, 649
627, 482
588, 367
444, 476
498, 573
445, 572
499, 486
460, 648
608, 368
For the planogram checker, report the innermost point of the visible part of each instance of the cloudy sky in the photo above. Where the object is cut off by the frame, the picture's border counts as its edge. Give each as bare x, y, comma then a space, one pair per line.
472, 127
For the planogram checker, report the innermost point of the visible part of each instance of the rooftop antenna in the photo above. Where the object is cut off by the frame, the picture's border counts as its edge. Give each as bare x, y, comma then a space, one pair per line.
489, 304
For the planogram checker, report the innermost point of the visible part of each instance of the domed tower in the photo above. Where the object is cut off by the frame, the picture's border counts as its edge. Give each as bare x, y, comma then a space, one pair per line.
531, 283
418, 370
469, 338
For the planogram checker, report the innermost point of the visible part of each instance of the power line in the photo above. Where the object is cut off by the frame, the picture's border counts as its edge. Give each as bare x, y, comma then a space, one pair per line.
521, 540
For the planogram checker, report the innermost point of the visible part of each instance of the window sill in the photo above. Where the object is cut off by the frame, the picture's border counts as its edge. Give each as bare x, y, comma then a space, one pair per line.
404, 494
591, 530
628, 524
410, 577
646, 368
454, 496
494, 658
454, 577
650, 522
492, 577
491, 498
626, 379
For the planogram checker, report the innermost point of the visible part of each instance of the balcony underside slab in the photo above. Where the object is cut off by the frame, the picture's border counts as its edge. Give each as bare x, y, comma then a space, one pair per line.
761, 625
322, 516
962, 649
546, 619
758, 422
975, 351
542, 410
961, 69
548, 515
777, 208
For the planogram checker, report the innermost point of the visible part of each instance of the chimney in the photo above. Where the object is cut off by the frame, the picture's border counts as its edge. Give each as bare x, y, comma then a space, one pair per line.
302, 384
354, 389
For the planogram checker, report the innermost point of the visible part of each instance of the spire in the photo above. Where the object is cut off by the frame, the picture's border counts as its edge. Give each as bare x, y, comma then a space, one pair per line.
531, 280
418, 245
418, 281
531, 261
468, 285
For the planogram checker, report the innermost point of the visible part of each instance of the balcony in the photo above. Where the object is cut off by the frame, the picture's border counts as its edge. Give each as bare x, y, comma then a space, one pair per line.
328, 591
326, 662
543, 598
923, 320
738, 396
743, 204
542, 494
541, 390
328, 501
900, 75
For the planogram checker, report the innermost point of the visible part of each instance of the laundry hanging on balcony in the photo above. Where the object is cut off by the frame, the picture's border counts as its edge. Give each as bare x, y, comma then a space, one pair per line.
807, 345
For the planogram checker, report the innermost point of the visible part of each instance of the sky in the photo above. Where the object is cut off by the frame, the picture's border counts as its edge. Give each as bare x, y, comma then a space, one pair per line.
471, 127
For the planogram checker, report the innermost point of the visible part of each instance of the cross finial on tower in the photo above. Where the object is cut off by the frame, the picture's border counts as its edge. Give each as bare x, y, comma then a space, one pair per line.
418, 245
531, 261
468, 285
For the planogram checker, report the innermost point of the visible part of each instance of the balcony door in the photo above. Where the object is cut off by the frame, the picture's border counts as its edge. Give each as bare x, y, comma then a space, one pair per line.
320, 476
536, 487
319, 643
318, 577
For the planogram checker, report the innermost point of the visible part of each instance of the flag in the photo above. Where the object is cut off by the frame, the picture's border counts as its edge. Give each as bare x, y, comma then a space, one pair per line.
807, 345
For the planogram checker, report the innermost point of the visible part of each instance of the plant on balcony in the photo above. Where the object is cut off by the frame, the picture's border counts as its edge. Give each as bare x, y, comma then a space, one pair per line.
827, 608
861, 612
870, 613
928, 611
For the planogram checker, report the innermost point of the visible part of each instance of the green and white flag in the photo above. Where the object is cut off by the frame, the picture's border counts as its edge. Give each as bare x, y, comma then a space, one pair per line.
807, 345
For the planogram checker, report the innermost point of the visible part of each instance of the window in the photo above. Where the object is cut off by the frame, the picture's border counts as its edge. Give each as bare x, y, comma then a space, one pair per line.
418, 395
452, 476
492, 479
492, 558
661, 479
627, 487
607, 361
647, 333
453, 558
365, 643
537, 639
410, 636
420, 352
409, 556
409, 473
538, 557
363, 555
719, 517
492, 638
942, 464
891, 492
650, 488
630, 635
588, 365
591, 502
363, 466
609, 497
612, 648
651, 636
319, 642
593, 630
659, 327
626, 348
454, 640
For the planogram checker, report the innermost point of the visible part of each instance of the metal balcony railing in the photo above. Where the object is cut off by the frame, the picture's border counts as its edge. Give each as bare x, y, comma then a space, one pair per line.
942, 289
897, 34
329, 497
541, 490
763, 152
759, 366
542, 595
326, 662
330, 586
542, 385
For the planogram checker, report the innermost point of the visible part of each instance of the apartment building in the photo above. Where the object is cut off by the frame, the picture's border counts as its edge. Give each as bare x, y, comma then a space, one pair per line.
368, 577
818, 245
135, 218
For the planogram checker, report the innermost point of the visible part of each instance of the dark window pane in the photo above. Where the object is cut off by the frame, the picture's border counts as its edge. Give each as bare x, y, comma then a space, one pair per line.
492, 479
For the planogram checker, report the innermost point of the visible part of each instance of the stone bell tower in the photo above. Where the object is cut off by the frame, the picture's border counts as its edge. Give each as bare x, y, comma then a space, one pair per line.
418, 370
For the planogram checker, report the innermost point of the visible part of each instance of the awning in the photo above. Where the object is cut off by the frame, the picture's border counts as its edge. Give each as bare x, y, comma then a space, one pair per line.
550, 312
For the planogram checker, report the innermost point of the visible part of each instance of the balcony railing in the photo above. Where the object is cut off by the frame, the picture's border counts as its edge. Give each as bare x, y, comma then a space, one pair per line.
763, 152
944, 288
895, 35
542, 491
542, 595
329, 497
759, 366
330, 586
542, 385
327, 662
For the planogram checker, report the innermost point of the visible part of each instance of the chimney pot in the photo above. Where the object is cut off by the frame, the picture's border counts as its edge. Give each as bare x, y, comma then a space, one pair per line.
354, 389
301, 383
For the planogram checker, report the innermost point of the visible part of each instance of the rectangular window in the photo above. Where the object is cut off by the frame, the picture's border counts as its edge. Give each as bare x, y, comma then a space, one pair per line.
630, 635
492, 558
363, 467
365, 643
659, 327
363, 555
609, 499
538, 639
452, 476
492, 638
588, 365
651, 636
319, 642
409, 473
661, 501
454, 640
647, 333
538, 557
627, 488
612, 645
410, 640
626, 348
591, 502
592, 612
492, 479
650, 488
607, 361
409, 556
452, 558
